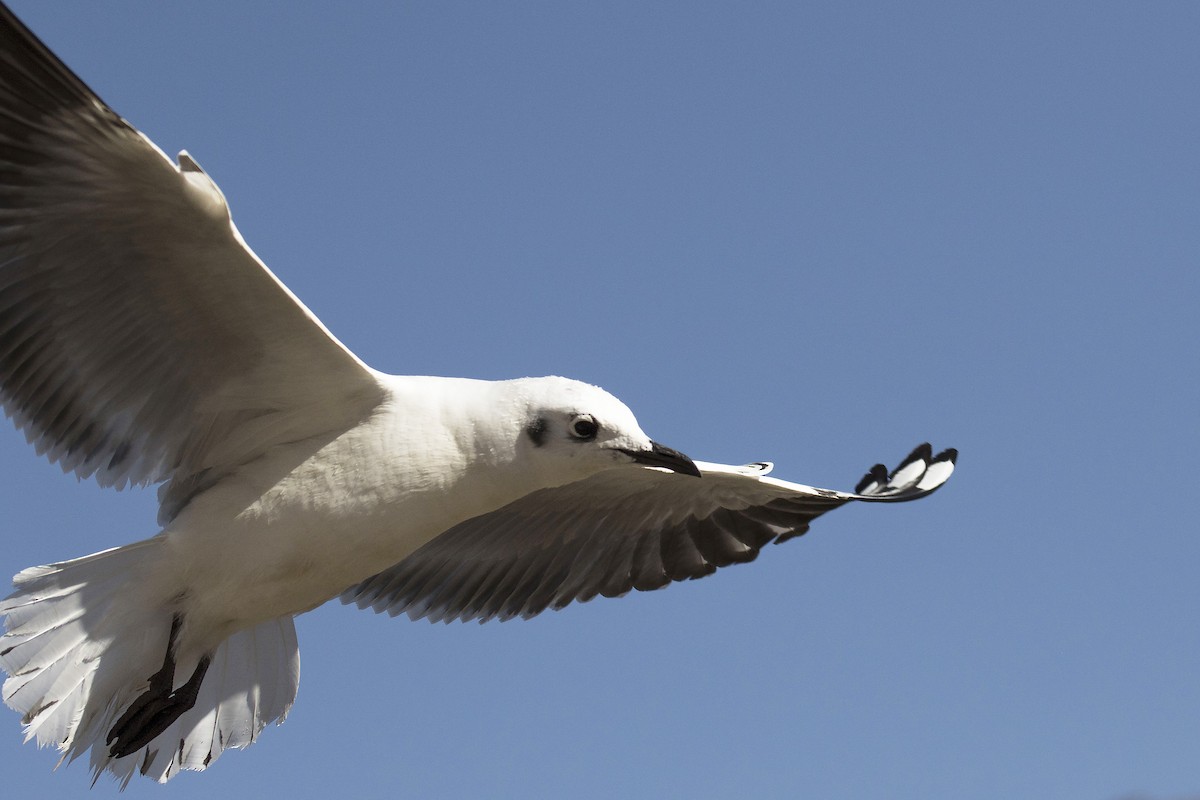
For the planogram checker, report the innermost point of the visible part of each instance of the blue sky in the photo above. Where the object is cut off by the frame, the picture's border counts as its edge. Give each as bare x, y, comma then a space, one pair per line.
812, 233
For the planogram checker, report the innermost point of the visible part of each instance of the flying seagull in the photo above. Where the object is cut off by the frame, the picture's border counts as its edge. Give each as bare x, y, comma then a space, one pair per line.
143, 342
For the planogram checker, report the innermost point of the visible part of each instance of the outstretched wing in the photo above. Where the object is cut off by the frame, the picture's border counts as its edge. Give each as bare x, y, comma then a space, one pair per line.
621, 529
140, 338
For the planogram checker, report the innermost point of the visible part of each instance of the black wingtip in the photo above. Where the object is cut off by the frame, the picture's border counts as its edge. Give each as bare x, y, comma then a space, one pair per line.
878, 474
916, 476
922, 452
949, 454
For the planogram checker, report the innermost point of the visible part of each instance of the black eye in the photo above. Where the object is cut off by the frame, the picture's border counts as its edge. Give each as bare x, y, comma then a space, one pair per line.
584, 427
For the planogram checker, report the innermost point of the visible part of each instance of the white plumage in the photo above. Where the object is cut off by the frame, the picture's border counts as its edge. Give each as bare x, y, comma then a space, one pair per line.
141, 341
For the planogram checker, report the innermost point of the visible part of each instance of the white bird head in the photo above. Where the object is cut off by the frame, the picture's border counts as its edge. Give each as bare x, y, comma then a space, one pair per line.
572, 430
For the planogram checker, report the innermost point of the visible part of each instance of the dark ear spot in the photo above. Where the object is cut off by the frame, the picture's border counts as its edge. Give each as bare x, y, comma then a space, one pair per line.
536, 431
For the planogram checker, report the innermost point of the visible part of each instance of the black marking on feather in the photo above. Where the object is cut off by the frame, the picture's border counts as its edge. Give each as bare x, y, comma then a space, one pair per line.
35, 712
877, 474
922, 452
122, 452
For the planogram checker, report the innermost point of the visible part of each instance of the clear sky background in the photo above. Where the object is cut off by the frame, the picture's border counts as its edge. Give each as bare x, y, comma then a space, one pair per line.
814, 233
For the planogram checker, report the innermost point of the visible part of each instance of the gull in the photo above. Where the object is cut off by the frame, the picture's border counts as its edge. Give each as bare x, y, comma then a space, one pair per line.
142, 342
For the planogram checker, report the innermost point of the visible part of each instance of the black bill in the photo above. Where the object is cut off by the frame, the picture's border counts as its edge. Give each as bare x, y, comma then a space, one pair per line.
661, 456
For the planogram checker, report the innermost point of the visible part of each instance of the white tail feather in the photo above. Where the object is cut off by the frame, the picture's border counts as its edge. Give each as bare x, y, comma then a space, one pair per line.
77, 655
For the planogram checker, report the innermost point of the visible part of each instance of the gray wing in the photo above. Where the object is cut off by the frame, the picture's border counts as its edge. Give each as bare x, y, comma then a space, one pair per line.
140, 338
619, 530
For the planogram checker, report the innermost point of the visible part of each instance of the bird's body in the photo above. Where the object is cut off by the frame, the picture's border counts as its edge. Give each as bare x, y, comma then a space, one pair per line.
294, 528
141, 341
